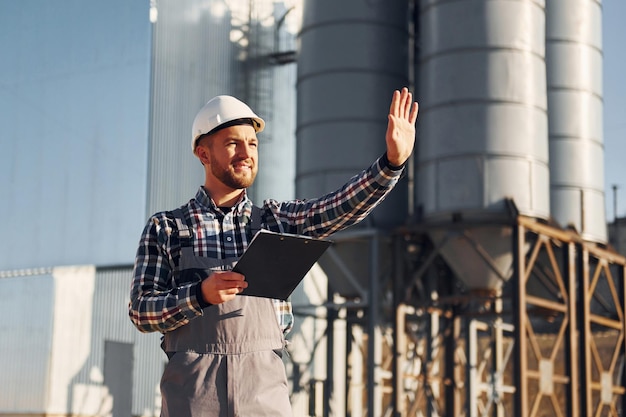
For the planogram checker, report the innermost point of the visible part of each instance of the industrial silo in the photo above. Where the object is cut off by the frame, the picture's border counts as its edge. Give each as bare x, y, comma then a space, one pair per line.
353, 54
483, 139
574, 82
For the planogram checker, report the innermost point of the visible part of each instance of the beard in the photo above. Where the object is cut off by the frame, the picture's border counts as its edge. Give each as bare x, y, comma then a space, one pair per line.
227, 175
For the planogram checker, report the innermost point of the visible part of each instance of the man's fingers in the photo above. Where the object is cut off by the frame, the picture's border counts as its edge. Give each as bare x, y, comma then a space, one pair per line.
396, 99
231, 276
226, 281
409, 108
402, 105
405, 100
407, 105
232, 291
412, 114
231, 284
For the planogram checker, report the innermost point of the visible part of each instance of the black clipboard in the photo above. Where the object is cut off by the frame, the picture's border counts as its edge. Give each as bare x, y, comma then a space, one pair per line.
275, 263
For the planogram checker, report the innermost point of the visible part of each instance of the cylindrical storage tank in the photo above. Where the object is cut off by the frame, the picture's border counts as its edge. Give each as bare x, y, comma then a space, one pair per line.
483, 127
574, 81
353, 54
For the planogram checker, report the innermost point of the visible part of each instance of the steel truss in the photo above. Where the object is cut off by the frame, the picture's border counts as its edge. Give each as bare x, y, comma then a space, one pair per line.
549, 342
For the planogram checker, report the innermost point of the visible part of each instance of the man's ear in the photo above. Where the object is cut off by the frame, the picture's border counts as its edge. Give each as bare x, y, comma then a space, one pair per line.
203, 154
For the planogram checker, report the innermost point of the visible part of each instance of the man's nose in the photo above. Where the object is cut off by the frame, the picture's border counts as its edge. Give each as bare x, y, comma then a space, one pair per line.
245, 150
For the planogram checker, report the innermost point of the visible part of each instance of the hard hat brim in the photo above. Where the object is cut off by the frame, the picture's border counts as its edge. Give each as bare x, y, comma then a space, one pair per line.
257, 124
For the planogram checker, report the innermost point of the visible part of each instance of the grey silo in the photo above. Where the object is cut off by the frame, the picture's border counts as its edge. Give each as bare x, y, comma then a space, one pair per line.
483, 126
574, 82
353, 55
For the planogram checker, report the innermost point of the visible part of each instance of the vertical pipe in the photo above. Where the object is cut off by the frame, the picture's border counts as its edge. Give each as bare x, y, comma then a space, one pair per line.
472, 364
519, 313
312, 397
399, 323
331, 316
498, 358
373, 386
572, 352
355, 383
351, 365
433, 357
455, 404
400, 354
586, 403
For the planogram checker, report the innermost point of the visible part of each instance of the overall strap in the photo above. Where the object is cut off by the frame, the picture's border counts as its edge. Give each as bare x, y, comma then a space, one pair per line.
185, 234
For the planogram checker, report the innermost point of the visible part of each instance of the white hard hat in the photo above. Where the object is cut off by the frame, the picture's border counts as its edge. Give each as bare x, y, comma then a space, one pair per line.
219, 111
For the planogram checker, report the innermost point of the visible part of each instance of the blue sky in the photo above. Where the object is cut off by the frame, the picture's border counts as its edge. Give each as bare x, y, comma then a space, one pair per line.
614, 40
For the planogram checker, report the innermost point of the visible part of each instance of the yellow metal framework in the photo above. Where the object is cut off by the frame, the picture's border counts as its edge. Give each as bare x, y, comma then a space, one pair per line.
550, 342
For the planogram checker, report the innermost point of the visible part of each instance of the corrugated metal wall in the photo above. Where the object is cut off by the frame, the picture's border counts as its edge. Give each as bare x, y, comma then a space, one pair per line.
270, 85
110, 322
193, 60
54, 360
25, 339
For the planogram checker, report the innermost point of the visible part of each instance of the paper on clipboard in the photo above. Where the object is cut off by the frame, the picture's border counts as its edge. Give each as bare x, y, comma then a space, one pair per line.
275, 263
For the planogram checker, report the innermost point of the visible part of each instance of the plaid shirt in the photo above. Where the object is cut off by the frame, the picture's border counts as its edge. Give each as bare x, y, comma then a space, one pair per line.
156, 306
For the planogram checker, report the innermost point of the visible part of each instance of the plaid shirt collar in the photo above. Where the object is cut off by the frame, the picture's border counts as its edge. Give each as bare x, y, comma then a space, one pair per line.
243, 205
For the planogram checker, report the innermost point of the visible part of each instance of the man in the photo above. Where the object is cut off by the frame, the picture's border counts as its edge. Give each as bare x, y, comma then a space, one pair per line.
224, 349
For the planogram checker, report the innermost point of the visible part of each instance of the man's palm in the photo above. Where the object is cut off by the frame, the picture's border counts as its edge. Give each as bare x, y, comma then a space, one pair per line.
400, 136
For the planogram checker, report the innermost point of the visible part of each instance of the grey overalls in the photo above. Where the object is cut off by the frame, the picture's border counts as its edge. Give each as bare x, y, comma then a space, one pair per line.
225, 363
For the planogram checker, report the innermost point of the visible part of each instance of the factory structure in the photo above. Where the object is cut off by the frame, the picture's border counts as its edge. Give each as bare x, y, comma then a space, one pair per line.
488, 283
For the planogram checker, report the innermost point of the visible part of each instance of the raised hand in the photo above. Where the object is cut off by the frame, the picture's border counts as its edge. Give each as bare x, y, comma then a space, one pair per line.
400, 136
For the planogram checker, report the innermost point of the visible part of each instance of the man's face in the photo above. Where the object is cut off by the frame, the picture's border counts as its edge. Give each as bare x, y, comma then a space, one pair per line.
232, 155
